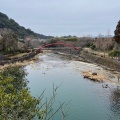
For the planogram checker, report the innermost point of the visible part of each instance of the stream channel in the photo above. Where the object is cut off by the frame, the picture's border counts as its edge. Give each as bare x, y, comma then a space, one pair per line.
87, 100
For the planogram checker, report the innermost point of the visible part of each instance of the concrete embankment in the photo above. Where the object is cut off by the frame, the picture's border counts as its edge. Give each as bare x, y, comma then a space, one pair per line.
17, 59
106, 62
70, 56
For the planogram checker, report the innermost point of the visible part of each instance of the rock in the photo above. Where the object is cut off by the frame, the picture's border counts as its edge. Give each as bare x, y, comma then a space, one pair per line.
94, 73
105, 86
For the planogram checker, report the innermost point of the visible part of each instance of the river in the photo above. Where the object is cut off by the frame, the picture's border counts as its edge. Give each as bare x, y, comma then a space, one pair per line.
87, 100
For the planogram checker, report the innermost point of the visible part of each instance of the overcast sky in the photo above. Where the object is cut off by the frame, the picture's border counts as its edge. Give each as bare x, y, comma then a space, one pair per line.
64, 17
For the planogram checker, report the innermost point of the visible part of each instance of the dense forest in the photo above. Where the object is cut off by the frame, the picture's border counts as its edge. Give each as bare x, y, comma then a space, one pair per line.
22, 32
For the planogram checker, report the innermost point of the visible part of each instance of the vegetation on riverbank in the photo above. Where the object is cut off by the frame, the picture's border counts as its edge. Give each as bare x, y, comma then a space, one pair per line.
17, 45
16, 101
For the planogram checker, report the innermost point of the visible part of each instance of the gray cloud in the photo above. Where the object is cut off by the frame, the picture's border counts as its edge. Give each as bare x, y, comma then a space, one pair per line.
64, 17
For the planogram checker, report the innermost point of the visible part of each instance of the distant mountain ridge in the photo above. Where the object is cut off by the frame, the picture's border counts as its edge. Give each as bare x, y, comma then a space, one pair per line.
22, 32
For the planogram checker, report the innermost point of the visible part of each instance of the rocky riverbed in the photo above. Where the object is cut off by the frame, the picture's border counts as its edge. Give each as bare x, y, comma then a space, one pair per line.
87, 69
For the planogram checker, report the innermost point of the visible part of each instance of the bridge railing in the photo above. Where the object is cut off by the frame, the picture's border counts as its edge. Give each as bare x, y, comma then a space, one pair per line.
58, 43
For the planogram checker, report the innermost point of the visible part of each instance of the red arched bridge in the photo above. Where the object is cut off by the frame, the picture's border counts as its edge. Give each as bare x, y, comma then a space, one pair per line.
64, 46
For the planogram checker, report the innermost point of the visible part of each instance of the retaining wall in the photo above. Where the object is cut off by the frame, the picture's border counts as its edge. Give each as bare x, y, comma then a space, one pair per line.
18, 59
107, 62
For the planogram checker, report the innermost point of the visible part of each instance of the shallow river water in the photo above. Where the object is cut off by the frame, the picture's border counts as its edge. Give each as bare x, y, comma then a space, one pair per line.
87, 100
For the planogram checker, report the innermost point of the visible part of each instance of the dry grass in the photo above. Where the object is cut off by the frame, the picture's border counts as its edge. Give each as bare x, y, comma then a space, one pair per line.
24, 63
98, 77
18, 55
99, 53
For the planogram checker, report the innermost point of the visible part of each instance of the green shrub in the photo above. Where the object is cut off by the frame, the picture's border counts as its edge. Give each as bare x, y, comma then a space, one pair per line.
16, 100
71, 39
92, 47
114, 53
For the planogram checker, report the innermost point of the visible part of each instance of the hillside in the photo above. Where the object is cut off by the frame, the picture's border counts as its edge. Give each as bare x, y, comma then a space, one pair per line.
22, 32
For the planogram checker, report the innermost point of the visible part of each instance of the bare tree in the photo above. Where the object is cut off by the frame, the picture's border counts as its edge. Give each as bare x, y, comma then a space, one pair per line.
9, 42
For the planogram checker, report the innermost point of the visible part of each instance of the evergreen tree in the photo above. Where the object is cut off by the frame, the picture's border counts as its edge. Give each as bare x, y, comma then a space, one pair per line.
117, 33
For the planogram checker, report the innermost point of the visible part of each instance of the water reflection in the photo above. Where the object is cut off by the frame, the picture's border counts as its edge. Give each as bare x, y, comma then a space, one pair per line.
115, 101
90, 100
